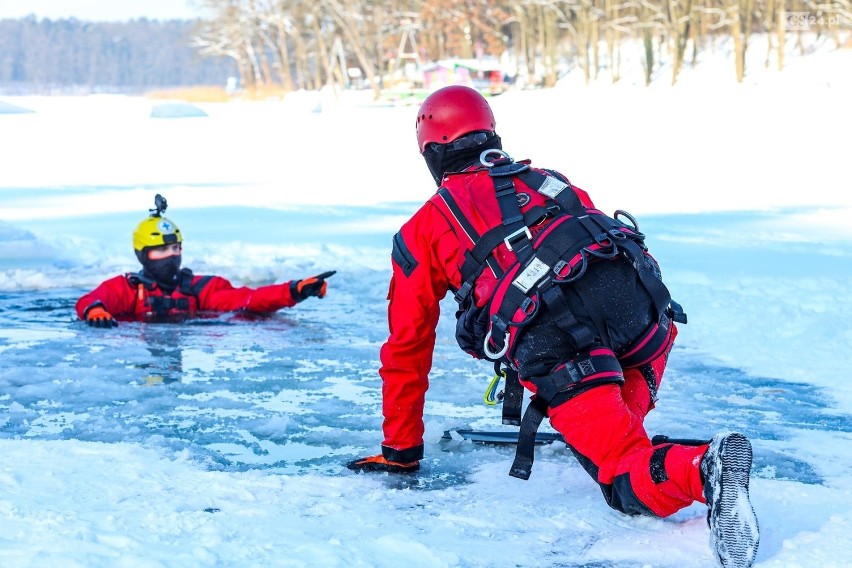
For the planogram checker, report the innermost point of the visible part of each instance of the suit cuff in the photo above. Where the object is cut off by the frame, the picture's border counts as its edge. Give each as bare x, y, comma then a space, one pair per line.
294, 291
403, 456
94, 304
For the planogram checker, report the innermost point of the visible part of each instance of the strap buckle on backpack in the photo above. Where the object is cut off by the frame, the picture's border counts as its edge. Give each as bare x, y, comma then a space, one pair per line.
522, 232
463, 292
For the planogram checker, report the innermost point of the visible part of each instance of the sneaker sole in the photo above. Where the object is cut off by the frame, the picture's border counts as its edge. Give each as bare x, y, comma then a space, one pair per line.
734, 530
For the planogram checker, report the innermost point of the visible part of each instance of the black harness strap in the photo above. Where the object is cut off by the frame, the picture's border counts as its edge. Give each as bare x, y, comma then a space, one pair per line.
458, 214
514, 230
160, 305
585, 371
517, 237
525, 451
581, 336
513, 397
137, 278
554, 187
486, 244
648, 346
471, 233
476, 258
573, 236
583, 294
185, 283
660, 295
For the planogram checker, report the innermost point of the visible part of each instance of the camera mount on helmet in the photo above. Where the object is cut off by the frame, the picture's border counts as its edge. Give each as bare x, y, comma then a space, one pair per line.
160, 205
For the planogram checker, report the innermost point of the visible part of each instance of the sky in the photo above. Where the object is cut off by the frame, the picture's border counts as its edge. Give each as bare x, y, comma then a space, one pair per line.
101, 10
221, 442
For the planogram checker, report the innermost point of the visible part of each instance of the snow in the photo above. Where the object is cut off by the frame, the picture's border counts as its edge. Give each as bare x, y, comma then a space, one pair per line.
221, 442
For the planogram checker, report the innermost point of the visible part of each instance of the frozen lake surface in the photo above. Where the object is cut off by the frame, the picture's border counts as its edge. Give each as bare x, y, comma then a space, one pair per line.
220, 441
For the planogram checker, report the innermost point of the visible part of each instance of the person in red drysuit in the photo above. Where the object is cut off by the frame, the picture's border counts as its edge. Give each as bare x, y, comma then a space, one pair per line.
581, 315
162, 291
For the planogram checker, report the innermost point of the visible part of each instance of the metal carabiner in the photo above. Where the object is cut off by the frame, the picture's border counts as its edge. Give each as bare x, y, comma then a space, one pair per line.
491, 355
499, 153
491, 396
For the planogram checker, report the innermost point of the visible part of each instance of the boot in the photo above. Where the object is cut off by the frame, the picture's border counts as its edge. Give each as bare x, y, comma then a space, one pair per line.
734, 532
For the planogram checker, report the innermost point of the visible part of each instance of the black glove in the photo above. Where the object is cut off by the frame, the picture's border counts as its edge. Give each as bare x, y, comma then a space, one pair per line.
379, 463
97, 316
313, 286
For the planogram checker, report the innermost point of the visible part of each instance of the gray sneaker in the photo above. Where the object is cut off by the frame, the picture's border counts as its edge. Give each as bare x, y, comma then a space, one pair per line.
734, 532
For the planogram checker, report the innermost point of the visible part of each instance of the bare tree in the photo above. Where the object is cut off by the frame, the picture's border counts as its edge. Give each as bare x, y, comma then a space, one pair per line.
678, 18
349, 17
310, 43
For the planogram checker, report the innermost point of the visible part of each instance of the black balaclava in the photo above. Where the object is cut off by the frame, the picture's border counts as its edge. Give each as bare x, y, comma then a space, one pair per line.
445, 158
164, 271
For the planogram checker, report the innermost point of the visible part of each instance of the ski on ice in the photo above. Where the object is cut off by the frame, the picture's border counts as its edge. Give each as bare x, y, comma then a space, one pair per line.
498, 437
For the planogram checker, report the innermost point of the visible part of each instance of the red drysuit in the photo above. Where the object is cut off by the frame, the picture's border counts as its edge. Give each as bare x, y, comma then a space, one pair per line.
603, 425
131, 297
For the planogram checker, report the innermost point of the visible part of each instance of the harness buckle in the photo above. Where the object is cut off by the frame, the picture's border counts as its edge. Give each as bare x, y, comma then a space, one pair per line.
516, 235
463, 292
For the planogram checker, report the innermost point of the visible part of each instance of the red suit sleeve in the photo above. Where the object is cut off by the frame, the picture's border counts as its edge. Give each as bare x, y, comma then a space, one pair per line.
219, 295
425, 266
116, 295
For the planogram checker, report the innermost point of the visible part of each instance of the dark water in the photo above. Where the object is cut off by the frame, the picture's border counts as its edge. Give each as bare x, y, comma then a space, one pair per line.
299, 390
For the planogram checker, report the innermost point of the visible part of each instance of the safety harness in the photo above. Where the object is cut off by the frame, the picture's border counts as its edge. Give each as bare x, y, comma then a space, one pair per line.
161, 306
548, 266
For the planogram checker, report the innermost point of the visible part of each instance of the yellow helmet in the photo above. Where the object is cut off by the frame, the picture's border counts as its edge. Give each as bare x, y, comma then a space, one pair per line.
155, 232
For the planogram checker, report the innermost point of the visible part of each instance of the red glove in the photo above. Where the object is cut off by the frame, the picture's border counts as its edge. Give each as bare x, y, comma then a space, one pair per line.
97, 316
379, 463
313, 286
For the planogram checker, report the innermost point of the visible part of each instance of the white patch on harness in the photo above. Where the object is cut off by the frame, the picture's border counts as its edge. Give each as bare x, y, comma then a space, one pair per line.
531, 275
552, 187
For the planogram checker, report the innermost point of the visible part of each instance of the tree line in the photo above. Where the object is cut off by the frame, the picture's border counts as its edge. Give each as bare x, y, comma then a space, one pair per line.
305, 44
43, 56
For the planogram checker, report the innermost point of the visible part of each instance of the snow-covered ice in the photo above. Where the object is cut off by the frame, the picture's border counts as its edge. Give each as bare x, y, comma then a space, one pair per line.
221, 441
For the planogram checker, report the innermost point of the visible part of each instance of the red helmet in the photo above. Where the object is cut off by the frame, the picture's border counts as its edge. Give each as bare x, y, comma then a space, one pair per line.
450, 113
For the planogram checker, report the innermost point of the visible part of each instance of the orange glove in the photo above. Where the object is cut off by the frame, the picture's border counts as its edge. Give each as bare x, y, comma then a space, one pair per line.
97, 316
313, 286
379, 463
